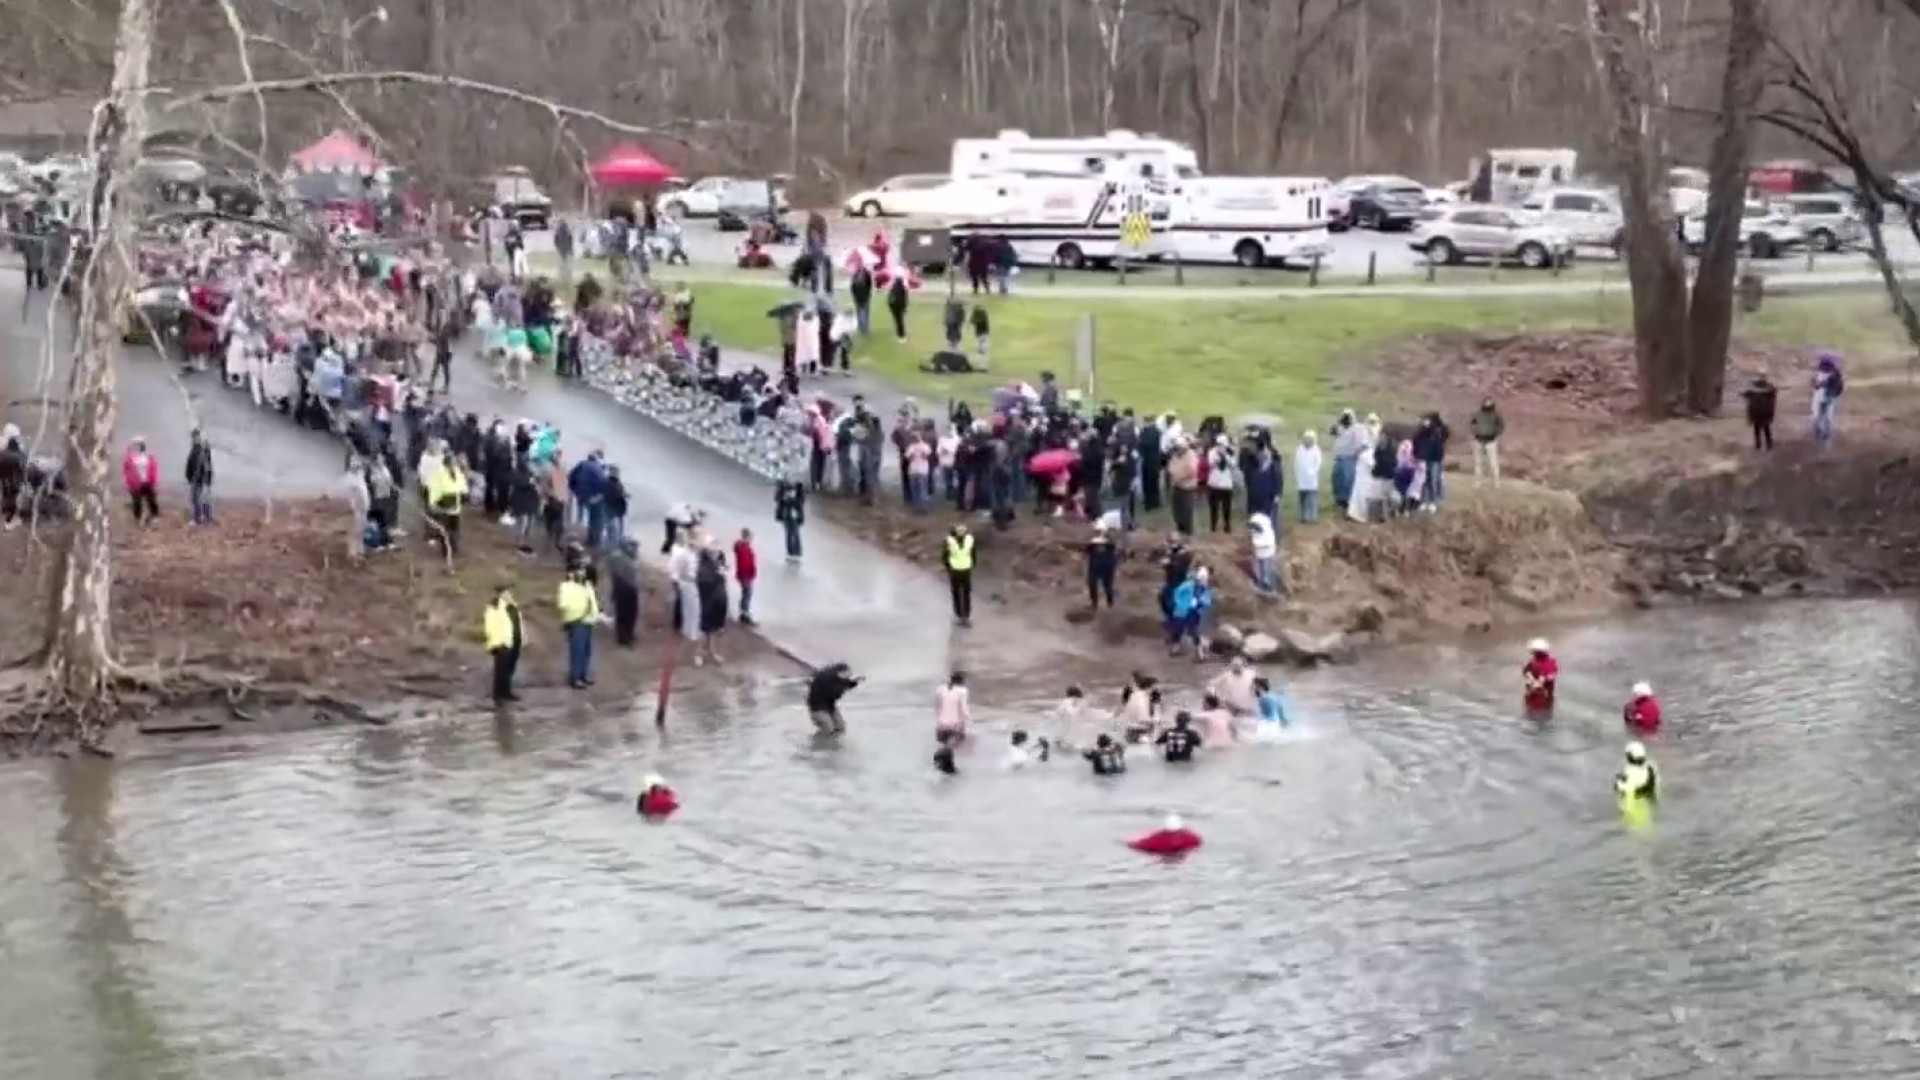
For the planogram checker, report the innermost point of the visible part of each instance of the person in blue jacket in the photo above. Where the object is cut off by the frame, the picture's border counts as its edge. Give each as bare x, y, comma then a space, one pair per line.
1192, 604
1273, 706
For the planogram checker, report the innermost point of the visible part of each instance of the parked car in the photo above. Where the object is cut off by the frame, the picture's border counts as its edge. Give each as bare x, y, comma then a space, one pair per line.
746, 201
50, 170
1383, 203
1829, 222
1766, 231
517, 196
700, 199
913, 195
1473, 231
1588, 216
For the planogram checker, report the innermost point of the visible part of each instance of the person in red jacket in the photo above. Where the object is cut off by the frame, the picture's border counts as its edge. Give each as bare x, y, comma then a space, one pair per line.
141, 472
1538, 678
746, 570
657, 800
1643, 712
1172, 838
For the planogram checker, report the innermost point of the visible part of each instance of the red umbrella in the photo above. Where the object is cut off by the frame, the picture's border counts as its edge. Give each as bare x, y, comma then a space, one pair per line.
631, 166
1049, 462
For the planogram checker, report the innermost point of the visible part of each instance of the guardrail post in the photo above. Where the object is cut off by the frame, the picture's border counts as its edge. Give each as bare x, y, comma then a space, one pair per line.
1053, 268
1179, 270
1433, 269
1809, 258
1121, 264
1373, 266
1313, 272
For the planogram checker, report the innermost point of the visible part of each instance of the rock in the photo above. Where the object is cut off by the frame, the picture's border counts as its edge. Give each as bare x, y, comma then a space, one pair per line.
1720, 590
1366, 619
1341, 647
1300, 648
1259, 647
1748, 586
1228, 639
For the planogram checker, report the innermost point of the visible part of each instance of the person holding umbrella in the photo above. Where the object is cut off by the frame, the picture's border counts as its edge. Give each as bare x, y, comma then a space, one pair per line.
958, 559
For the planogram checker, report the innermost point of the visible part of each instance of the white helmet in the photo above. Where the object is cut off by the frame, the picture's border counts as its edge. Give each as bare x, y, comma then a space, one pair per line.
1641, 689
1538, 645
652, 781
1636, 753
1172, 824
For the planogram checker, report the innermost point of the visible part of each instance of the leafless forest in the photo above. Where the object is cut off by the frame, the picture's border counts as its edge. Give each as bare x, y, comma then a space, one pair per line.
841, 91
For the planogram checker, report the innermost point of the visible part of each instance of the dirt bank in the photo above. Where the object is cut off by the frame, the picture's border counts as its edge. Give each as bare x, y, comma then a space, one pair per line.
272, 600
1597, 509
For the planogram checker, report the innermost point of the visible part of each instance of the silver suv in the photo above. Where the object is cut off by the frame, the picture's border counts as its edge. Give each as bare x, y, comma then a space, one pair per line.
1828, 221
1475, 231
1588, 216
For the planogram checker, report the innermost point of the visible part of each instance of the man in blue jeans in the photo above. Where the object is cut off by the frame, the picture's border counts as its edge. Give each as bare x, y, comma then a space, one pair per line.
200, 478
579, 611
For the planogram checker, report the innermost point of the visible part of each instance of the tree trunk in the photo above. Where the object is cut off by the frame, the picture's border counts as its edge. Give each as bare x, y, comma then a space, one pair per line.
79, 654
1656, 274
800, 61
1710, 313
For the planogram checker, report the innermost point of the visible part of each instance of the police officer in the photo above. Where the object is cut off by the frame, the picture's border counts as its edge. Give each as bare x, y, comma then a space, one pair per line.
504, 637
959, 563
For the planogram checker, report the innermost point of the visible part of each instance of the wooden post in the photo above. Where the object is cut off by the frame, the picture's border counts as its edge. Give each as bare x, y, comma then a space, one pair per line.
1433, 269
1313, 272
1179, 270
1373, 267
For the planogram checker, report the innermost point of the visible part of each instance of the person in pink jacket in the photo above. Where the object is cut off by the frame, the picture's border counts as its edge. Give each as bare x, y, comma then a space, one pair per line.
141, 471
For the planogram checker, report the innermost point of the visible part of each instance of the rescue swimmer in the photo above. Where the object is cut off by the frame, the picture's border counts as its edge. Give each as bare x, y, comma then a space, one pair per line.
1538, 679
1638, 782
1642, 713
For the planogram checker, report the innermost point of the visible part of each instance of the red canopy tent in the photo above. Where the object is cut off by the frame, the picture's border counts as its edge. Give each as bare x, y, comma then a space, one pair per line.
338, 152
631, 166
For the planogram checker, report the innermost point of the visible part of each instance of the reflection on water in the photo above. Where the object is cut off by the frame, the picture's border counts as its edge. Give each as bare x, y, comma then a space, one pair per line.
1422, 886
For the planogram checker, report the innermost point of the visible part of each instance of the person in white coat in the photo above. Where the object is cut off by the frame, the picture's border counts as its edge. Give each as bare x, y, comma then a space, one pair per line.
1266, 553
806, 341
1306, 477
1365, 487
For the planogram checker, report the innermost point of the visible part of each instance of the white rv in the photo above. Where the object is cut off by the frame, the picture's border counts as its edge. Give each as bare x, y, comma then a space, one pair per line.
1070, 221
1252, 220
1114, 155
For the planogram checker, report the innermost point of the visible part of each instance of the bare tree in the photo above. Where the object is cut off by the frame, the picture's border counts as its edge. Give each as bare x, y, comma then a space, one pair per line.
1682, 336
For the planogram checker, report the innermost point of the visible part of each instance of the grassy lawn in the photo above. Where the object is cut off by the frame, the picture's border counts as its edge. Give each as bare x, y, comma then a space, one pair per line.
1230, 357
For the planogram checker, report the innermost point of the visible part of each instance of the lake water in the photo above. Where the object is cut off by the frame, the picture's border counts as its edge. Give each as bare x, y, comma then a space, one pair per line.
1420, 886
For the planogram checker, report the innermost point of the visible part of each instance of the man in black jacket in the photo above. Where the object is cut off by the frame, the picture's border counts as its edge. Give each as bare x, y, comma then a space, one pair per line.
200, 478
1762, 399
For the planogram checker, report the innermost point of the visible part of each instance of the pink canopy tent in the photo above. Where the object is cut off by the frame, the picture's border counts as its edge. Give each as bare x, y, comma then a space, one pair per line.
631, 166
338, 152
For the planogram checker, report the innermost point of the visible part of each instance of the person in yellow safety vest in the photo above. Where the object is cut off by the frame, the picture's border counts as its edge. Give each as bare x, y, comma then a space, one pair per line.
446, 495
1638, 779
579, 611
959, 563
504, 635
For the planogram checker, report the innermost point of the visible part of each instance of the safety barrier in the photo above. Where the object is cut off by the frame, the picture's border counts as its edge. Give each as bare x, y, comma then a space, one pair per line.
776, 449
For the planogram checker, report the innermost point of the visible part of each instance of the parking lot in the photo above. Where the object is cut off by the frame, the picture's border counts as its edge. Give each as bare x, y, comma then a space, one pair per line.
1348, 259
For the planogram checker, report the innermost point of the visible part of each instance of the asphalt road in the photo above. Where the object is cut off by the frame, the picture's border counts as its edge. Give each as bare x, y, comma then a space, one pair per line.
1350, 256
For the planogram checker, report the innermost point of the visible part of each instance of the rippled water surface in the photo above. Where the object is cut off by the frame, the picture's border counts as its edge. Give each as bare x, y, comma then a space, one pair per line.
1422, 886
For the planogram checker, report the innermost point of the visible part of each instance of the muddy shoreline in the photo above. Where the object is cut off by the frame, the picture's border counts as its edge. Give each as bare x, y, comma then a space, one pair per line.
294, 637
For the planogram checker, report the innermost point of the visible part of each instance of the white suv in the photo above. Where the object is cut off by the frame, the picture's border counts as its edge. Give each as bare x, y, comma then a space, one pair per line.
1474, 231
1588, 216
1828, 221
1766, 231
914, 195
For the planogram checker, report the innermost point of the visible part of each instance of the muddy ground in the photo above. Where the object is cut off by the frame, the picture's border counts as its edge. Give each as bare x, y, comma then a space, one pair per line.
272, 598
1597, 508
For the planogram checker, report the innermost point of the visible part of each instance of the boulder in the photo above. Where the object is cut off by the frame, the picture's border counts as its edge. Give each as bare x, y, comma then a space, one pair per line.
1366, 619
1259, 647
1300, 648
1228, 639
1720, 590
1341, 647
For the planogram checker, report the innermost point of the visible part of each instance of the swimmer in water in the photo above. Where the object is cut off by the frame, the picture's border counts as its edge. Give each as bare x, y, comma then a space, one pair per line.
1178, 742
1072, 706
1107, 757
1139, 713
1234, 686
943, 757
1637, 780
1024, 750
952, 712
1216, 721
1273, 707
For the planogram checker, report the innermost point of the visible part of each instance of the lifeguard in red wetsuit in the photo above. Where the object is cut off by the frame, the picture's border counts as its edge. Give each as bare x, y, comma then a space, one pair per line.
1643, 712
1172, 838
657, 800
1538, 678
